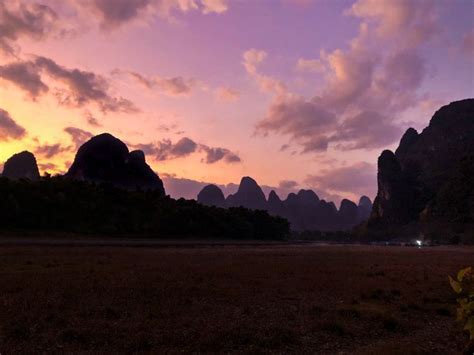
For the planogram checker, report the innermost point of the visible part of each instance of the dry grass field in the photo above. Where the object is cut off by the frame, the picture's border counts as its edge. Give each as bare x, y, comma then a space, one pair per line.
281, 299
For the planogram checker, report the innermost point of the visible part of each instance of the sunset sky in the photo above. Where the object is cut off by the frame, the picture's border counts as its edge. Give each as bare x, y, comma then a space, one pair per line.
295, 93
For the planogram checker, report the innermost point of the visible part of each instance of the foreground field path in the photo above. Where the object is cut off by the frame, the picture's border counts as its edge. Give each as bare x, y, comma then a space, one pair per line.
229, 298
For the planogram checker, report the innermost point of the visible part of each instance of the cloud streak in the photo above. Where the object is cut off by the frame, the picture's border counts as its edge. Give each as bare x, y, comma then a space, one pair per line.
9, 129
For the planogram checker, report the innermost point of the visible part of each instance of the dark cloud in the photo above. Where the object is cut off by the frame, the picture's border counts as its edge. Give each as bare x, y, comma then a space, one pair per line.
24, 75
78, 136
84, 87
359, 178
284, 147
316, 144
9, 129
166, 150
19, 19
80, 87
114, 13
51, 150
216, 154
91, 120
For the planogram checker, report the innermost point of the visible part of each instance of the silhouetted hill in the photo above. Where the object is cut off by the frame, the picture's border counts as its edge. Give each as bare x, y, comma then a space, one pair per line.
274, 204
304, 210
365, 208
249, 195
211, 195
348, 214
105, 158
21, 166
418, 182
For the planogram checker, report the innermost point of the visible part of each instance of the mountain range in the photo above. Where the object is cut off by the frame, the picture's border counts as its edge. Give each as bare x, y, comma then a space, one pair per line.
425, 187
304, 210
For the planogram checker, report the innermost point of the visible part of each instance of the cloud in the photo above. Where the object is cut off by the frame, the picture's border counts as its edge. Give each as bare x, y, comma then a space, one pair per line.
227, 94
25, 76
310, 65
316, 144
91, 120
297, 117
252, 58
167, 150
358, 178
174, 86
404, 69
411, 22
216, 6
349, 77
9, 129
367, 130
83, 87
376, 73
79, 88
18, 19
51, 150
113, 14
214, 155
78, 136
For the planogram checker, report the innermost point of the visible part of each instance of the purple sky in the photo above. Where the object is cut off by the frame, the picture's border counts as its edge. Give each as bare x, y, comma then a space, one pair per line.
295, 93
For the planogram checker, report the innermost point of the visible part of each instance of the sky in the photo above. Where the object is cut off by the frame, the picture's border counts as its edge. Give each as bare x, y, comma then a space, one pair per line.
295, 93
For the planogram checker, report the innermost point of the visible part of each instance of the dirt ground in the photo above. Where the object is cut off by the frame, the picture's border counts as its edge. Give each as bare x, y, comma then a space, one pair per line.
223, 299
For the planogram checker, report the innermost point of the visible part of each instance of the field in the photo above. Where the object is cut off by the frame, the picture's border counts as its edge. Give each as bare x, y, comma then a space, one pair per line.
229, 298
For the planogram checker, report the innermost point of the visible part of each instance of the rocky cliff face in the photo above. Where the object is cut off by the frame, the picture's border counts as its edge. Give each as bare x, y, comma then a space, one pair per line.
211, 195
21, 166
411, 180
105, 158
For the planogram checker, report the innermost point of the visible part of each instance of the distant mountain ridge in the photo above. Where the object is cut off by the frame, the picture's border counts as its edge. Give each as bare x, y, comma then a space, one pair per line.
304, 210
